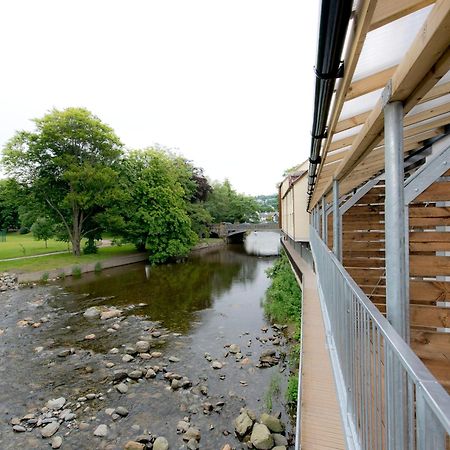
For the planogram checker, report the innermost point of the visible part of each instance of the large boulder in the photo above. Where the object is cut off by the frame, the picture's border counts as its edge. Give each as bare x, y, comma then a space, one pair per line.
160, 443
272, 423
261, 437
243, 424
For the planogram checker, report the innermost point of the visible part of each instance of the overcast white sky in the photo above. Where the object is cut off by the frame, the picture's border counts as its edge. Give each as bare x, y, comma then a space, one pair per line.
227, 83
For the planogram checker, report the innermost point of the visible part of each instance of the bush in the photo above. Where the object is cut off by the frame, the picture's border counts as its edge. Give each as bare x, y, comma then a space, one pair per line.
98, 267
24, 230
90, 248
292, 389
44, 277
283, 297
76, 271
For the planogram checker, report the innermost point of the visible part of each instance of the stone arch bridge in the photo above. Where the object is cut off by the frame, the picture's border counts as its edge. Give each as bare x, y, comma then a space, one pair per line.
236, 231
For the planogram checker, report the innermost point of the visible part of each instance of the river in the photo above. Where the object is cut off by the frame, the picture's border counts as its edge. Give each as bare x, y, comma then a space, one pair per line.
190, 313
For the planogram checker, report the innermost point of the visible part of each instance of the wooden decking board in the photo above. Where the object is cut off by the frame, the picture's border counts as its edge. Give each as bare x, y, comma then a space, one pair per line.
321, 422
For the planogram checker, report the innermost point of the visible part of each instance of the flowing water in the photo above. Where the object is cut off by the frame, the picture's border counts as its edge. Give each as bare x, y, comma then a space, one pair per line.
184, 311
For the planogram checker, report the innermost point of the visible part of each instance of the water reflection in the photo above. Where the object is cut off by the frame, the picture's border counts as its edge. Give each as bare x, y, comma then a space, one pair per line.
262, 243
172, 293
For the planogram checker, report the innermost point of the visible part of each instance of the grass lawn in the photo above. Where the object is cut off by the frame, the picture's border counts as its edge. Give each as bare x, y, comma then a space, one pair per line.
58, 261
18, 245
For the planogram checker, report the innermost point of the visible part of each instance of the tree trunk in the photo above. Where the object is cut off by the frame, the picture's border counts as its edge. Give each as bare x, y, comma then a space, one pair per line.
76, 233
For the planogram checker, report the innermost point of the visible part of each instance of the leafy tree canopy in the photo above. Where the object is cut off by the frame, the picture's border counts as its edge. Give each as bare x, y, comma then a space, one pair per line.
226, 205
11, 196
152, 212
69, 162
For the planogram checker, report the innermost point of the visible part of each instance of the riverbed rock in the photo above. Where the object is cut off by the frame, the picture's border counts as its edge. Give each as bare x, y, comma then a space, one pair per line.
272, 423
234, 348
279, 447
127, 358
192, 444
92, 313
129, 350
135, 374
160, 443
122, 388
133, 445
119, 375
243, 424
56, 403
50, 429
142, 346
110, 313
57, 442
150, 373
156, 354
101, 431
192, 433
182, 426
279, 439
89, 337
261, 437
122, 411
19, 429
174, 359
216, 365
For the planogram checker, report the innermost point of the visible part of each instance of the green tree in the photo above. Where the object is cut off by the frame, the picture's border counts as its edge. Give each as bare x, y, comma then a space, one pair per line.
11, 197
226, 205
69, 162
43, 229
152, 212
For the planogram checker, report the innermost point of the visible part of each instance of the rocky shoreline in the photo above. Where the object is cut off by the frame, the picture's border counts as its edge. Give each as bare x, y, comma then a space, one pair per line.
129, 365
8, 282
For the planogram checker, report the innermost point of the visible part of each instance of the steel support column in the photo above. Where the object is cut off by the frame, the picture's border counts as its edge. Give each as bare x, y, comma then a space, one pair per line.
397, 304
324, 221
337, 225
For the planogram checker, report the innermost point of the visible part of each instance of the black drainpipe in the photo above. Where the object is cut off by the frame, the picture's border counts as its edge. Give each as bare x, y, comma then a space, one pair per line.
334, 20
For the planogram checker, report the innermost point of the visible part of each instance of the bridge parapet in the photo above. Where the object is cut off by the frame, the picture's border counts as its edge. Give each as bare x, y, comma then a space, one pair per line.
229, 229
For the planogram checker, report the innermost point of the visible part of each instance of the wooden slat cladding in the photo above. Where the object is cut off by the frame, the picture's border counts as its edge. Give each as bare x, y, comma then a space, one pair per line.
363, 244
429, 289
437, 192
363, 227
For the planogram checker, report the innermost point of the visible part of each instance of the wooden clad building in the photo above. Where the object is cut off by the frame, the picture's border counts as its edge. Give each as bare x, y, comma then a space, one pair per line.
378, 190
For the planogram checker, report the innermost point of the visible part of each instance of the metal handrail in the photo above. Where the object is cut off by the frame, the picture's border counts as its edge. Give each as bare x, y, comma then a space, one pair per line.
376, 364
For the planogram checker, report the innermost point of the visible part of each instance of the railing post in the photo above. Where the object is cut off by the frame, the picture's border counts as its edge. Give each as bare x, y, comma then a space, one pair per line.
337, 225
397, 302
324, 220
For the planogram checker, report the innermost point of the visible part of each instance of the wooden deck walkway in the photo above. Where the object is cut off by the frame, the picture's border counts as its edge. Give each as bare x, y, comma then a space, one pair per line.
321, 423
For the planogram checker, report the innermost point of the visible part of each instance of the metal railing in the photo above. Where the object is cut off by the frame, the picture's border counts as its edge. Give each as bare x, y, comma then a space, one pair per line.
389, 399
301, 247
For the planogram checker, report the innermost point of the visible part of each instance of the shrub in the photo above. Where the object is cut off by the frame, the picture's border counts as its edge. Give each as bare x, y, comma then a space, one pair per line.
76, 271
44, 277
24, 230
98, 267
292, 389
283, 297
89, 247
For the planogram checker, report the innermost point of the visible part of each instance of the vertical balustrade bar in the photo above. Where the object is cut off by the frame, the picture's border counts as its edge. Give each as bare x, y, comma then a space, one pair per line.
324, 221
337, 226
